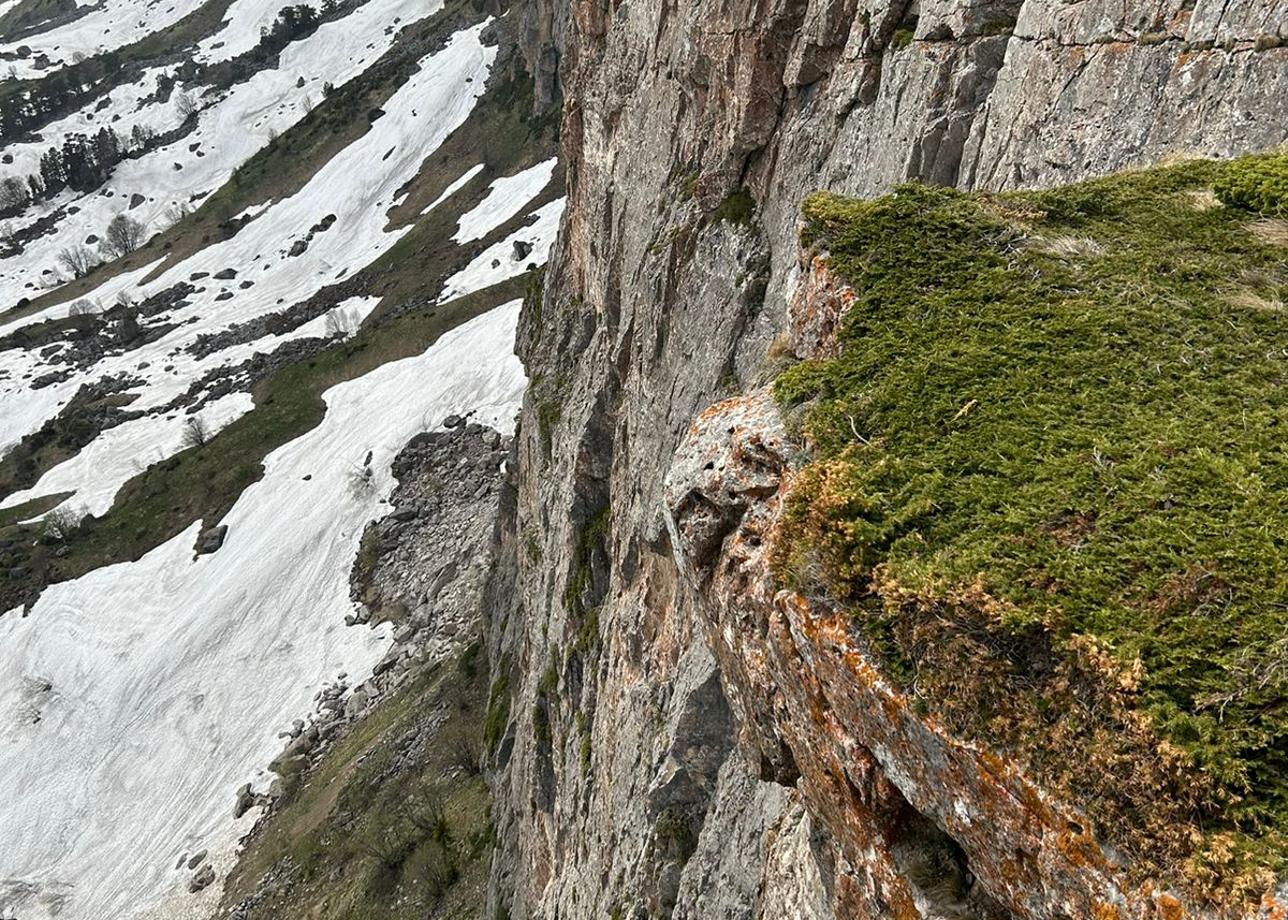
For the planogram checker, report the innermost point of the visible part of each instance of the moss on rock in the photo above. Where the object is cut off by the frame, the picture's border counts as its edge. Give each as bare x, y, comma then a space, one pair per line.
1062, 465
1256, 184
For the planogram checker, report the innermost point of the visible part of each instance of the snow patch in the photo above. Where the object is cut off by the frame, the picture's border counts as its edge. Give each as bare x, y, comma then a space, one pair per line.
498, 262
504, 199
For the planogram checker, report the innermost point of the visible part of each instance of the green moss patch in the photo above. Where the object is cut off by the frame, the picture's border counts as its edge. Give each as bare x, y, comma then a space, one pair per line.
1053, 450
1256, 183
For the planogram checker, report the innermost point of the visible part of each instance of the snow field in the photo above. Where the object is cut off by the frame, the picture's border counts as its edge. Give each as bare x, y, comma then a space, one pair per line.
169, 678
231, 129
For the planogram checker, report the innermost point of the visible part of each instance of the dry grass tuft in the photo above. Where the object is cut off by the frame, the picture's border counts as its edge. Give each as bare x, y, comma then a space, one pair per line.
1272, 230
1068, 247
1202, 199
1251, 300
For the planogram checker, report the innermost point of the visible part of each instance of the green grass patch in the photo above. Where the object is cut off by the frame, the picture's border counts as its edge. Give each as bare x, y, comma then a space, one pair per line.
1052, 452
32, 508
738, 208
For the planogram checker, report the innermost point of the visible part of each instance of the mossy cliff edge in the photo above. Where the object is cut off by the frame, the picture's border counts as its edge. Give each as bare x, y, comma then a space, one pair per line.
1029, 523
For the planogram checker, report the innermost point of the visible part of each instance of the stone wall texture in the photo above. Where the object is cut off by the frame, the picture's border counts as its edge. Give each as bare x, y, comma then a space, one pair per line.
679, 741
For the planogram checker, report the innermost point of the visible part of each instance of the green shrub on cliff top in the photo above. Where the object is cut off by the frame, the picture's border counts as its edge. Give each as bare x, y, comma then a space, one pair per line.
1066, 457
1256, 184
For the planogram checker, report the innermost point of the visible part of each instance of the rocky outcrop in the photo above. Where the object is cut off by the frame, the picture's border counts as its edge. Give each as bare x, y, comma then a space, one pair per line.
654, 711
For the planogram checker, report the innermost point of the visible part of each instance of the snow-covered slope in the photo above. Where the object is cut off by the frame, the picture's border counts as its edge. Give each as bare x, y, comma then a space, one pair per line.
168, 679
232, 126
137, 696
433, 102
96, 28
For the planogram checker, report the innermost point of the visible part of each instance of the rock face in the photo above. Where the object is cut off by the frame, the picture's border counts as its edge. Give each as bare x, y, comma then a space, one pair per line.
679, 741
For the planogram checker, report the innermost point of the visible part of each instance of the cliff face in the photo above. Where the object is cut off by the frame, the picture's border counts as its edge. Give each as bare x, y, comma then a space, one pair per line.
677, 741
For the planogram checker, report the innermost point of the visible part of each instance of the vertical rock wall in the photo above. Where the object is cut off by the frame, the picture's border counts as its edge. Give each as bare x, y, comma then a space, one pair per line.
628, 781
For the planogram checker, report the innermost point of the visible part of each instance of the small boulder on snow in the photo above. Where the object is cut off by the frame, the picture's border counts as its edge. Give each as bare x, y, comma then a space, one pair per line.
211, 539
205, 875
245, 801
298, 248
521, 250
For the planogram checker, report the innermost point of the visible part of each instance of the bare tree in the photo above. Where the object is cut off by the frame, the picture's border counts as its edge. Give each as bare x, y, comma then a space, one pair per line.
78, 260
62, 523
340, 322
123, 235
177, 210
185, 105
82, 307
196, 433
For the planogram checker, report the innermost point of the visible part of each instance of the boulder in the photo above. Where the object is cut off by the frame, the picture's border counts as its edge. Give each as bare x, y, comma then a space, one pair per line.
211, 539
204, 877
245, 801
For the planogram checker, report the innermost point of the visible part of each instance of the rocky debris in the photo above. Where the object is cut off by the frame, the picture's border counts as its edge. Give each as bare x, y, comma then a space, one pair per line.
424, 566
172, 298
225, 274
221, 381
299, 247
279, 323
522, 249
196, 859
52, 377
211, 539
202, 879
246, 800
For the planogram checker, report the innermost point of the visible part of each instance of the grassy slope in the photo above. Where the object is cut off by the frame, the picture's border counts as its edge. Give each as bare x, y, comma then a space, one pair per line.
359, 836
1053, 452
